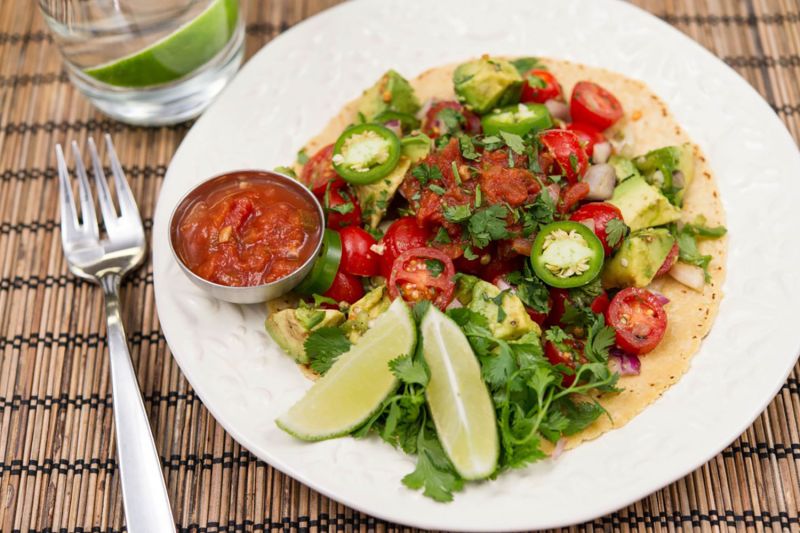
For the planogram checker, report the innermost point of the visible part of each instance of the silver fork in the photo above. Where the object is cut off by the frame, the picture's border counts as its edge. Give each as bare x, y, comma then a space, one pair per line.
106, 261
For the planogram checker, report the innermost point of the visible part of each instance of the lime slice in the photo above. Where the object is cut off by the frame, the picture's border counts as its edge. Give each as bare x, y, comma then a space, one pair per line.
459, 401
357, 383
176, 55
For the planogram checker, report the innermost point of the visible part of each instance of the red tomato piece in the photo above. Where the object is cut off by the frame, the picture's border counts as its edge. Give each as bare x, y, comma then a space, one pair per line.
415, 278
567, 357
591, 104
345, 288
318, 170
434, 125
571, 195
600, 304
539, 86
587, 135
567, 151
498, 268
600, 213
669, 262
357, 255
341, 206
404, 234
639, 319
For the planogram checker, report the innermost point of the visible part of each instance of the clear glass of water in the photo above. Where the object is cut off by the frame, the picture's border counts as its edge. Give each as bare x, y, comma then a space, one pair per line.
148, 62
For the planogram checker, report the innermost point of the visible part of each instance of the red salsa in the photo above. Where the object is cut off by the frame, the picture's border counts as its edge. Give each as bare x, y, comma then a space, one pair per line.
245, 229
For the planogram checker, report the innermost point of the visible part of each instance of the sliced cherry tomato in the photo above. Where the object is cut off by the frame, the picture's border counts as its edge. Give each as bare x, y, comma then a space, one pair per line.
571, 195
567, 151
423, 274
318, 170
591, 104
600, 213
345, 288
639, 319
404, 234
357, 255
566, 357
600, 303
539, 86
669, 262
435, 125
341, 206
587, 135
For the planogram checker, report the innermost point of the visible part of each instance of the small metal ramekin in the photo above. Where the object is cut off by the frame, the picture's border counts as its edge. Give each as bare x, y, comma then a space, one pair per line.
256, 293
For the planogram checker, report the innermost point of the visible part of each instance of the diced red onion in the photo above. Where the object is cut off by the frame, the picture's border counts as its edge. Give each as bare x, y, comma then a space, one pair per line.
690, 275
601, 180
601, 152
678, 179
424, 109
395, 126
558, 109
502, 284
559, 449
663, 300
554, 191
455, 304
624, 363
588, 222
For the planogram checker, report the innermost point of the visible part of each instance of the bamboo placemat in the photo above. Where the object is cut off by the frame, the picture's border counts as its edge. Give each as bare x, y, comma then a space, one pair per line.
57, 465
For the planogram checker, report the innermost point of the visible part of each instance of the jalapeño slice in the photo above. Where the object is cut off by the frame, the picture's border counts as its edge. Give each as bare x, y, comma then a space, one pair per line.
567, 254
320, 278
518, 119
366, 153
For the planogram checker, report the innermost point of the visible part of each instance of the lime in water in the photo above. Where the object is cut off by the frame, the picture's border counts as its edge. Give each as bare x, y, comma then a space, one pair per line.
176, 55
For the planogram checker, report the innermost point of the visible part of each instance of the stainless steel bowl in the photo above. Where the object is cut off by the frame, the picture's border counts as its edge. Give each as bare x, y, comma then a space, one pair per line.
256, 293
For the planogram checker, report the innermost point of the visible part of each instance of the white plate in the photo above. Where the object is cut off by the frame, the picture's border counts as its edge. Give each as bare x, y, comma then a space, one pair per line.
290, 89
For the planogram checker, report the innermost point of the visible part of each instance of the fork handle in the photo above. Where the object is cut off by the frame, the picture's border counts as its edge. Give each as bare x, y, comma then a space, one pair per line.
144, 493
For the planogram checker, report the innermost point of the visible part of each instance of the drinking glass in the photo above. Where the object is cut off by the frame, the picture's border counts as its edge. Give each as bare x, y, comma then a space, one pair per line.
148, 62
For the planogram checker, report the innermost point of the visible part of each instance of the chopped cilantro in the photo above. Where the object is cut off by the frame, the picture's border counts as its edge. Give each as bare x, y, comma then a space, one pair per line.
530, 289
488, 224
408, 370
513, 141
435, 267
437, 189
451, 118
343, 209
469, 255
467, 147
302, 157
478, 196
324, 346
286, 171
526, 64
456, 175
535, 81
573, 162
616, 230
492, 142
426, 173
456, 213
540, 213
441, 236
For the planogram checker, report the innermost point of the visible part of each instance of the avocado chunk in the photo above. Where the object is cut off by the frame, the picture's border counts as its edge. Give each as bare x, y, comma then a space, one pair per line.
374, 198
670, 168
642, 205
486, 83
364, 311
290, 328
485, 299
623, 168
416, 147
392, 92
641, 255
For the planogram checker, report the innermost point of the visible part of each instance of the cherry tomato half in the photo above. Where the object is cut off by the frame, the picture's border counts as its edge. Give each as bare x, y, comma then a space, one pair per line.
669, 262
423, 274
600, 213
345, 288
404, 234
567, 151
539, 86
571, 195
318, 171
591, 104
565, 357
587, 135
638, 318
357, 255
341, 206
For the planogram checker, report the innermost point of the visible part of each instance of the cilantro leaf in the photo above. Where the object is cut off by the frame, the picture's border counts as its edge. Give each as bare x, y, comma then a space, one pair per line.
434, 473
535, 81
426, 173
469, 255
435, 267
286, 171
451, 118
616, 230
491, 142
302, 157
456, 175
540, 213
408, 370
437, 189
456, 213
573, 162
344, 208
498, 367
488, 224
530, 289
598, 340
442, 237
467, 147
526, 64
513, 141
578, 414
323, 346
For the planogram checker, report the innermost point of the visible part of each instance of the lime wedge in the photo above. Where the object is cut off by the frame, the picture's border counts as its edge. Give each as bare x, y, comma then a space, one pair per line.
357, 383
176, 55
457, 396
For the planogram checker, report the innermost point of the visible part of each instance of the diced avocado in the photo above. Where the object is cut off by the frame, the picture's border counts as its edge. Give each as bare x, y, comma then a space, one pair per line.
364, 311
669, 160
641, 255
642, 205
391, 92
486, 83
623, 167
374, 198
290, 328
416, 147
484, 299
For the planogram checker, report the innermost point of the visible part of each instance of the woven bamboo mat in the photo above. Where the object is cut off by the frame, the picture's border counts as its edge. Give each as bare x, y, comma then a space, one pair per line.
57, 464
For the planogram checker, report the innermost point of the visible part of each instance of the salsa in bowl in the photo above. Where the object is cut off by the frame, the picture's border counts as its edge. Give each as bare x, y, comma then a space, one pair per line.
247, 236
